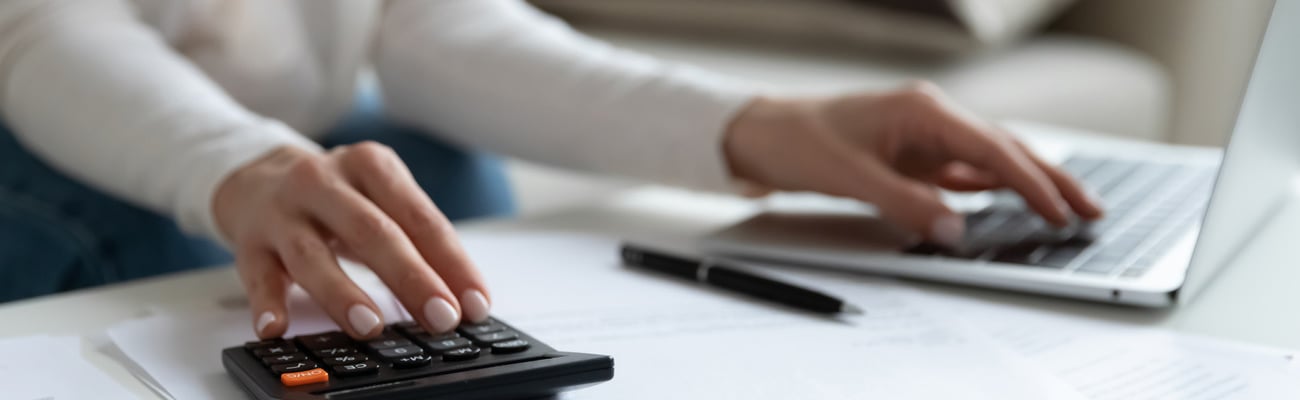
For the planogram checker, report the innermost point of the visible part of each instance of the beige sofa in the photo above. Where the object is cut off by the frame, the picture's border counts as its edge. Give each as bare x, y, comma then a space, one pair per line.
1166, 70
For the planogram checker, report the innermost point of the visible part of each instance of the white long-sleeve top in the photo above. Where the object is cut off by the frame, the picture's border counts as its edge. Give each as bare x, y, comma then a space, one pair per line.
156, 101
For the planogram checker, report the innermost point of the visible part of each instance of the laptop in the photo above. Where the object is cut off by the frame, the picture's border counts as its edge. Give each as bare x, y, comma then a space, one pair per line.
1175, 215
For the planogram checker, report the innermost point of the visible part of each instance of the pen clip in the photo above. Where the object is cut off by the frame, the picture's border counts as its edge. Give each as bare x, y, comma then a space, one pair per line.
702, 272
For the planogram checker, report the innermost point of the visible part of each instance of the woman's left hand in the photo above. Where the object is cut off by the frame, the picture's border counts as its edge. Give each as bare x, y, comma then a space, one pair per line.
894, 150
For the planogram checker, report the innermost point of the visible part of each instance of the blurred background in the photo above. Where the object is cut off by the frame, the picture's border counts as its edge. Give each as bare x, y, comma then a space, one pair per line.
1160, 70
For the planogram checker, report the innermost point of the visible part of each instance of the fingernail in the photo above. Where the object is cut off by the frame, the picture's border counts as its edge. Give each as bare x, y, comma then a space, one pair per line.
475, 305
363, 319
948, 230
442, 317
1095, 199
263, 321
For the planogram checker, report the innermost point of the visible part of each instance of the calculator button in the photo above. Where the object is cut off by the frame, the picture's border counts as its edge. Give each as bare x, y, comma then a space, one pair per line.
334, 351
481, 328
510, 346
439, 346
276, 350
418, 360
361, 368
399, 352
263, 343
348, 359
425, 337
304, 377
293, 367
387, 343
284, 359
324, 340
494, 337
409, 328
463, 353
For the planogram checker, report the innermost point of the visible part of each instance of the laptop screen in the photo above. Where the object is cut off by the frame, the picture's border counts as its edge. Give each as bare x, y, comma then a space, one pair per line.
1262, 156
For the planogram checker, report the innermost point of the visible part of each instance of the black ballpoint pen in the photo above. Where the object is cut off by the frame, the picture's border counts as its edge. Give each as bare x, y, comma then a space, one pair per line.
712, 273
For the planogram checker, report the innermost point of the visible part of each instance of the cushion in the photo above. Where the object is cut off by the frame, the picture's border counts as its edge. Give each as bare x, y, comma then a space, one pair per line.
926, 25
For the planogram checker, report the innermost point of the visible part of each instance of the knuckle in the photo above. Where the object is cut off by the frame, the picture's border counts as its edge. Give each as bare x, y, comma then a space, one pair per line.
922, 93
303, 246
370, 155
426, 222
309, 171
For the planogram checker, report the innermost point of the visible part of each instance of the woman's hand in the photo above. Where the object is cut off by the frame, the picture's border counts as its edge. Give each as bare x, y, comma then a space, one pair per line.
291, 212
893, 150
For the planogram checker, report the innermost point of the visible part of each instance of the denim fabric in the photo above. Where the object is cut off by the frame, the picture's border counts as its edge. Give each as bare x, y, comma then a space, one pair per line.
57, 234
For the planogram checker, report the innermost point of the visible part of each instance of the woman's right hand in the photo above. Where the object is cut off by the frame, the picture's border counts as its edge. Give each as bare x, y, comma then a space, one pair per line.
291, 212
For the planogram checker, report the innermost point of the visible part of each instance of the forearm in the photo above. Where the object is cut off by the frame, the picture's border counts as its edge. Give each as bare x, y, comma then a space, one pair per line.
500, 75
103, 99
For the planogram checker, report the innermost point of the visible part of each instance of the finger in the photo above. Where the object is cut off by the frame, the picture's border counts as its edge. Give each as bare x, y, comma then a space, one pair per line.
1012, 167
914, 205
309, 261
964, 178
380, 243
265, 282
381, 176
972, 141
1081, 201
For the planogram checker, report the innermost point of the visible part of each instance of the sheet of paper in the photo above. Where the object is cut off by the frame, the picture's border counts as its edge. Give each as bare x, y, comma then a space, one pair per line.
51, 368
677, 339
180, 355
1110, 361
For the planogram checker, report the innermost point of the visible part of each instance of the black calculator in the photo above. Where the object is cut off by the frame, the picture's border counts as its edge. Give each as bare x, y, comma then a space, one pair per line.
490, 360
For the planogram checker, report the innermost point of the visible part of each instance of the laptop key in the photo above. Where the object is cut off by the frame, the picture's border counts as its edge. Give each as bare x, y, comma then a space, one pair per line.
1097, 267
1024, 253
1060, 256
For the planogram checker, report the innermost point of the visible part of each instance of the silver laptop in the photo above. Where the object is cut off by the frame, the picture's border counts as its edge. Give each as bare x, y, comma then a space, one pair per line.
1175, 215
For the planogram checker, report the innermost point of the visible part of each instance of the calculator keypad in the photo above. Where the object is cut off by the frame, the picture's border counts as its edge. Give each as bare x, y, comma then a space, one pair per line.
404, 346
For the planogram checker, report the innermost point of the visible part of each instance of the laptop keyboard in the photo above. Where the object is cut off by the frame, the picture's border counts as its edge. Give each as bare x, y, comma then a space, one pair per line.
1149, 207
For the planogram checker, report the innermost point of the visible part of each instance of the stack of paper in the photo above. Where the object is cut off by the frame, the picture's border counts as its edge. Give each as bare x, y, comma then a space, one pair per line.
51, 368
672, 338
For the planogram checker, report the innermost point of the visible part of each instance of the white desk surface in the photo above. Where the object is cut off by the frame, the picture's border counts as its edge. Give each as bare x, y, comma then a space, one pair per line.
1252, 301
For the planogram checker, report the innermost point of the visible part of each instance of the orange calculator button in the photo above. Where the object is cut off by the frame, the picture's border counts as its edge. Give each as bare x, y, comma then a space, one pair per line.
304, 377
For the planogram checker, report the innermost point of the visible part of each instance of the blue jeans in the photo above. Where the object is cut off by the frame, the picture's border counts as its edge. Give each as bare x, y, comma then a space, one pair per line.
57, 234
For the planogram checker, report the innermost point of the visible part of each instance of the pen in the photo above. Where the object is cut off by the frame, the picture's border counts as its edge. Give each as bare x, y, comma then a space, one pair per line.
711, 272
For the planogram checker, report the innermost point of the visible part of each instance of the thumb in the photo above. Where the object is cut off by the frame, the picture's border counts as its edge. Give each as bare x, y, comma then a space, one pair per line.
917, 207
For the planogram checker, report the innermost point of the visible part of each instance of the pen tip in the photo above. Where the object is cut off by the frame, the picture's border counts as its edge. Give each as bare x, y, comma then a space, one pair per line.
847, 308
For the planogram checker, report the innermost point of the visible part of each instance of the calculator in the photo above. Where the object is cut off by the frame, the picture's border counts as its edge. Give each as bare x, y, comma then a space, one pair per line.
489, 360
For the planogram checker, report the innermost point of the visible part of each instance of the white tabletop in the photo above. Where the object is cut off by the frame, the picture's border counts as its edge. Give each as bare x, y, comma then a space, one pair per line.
1251, 301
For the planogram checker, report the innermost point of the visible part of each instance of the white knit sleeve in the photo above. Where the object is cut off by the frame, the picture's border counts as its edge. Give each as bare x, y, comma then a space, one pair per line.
501, 75
102, 98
